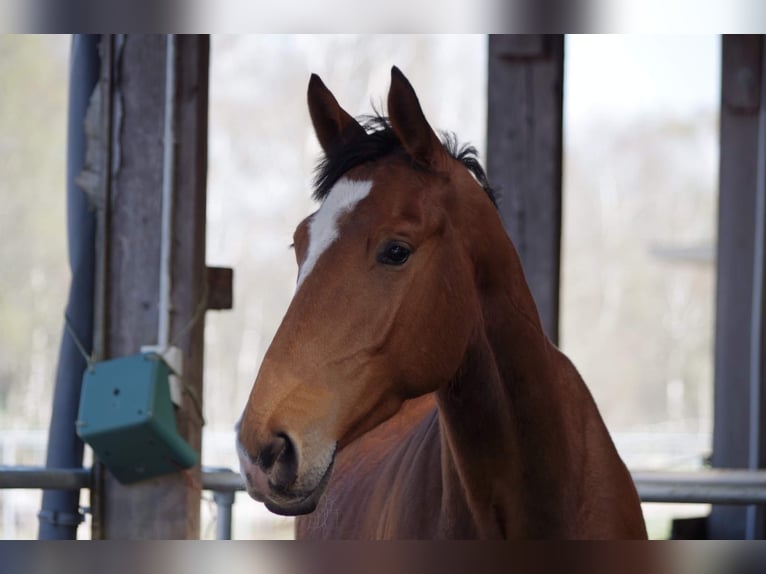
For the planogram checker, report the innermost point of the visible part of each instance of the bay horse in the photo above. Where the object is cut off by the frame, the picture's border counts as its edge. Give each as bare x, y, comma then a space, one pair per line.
410, 391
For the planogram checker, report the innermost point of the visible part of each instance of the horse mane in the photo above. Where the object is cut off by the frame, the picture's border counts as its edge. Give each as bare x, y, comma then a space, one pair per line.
381, 141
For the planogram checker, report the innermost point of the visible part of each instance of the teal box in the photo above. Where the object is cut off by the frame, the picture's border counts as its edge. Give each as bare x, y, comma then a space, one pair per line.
127, 418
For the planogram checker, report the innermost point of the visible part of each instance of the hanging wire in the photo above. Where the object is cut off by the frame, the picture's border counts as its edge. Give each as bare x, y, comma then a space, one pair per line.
212, 522
188, 390
199, 311
89, 358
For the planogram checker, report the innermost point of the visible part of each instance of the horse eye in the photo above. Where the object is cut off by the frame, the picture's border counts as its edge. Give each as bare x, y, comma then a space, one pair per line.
395, 253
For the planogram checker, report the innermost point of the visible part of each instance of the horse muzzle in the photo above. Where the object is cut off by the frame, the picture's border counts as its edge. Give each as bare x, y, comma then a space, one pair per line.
272, 476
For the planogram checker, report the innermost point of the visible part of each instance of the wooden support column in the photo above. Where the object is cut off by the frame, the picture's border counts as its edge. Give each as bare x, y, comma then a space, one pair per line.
524, 153
165, 507
739, 431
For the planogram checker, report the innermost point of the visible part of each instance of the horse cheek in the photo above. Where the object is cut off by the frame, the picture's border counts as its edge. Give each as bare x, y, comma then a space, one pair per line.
446, 326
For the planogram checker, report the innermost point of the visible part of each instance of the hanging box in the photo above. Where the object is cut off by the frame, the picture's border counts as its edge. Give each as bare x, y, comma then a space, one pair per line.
127, 418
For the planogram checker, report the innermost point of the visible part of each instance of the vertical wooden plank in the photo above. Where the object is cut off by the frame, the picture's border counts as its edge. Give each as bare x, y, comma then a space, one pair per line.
524, 153
165, 507
190, 283
741, 99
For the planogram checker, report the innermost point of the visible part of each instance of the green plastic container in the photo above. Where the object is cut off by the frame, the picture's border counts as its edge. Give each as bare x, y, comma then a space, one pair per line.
127, 418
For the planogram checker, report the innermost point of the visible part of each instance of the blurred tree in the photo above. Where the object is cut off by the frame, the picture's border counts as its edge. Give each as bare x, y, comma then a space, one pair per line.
34, 277
635, 322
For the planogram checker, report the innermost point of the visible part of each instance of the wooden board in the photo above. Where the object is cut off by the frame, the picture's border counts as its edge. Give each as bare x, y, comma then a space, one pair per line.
524, 153
167, 507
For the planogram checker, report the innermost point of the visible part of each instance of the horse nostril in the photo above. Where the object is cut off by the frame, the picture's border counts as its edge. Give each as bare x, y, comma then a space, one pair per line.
279, 459
271, 452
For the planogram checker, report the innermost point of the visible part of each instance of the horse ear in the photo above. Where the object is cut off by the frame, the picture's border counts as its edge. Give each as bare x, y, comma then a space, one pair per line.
332, 124
408, 121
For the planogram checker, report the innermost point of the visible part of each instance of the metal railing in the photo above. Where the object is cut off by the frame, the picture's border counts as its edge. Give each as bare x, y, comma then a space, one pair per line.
223, 483
715, 486
712, 486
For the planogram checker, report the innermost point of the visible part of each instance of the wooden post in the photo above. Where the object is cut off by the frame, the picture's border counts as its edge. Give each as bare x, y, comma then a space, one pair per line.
740, 384
524, 152
166, 507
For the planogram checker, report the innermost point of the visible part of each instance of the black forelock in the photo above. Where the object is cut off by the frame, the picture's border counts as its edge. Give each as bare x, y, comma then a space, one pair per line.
381, 141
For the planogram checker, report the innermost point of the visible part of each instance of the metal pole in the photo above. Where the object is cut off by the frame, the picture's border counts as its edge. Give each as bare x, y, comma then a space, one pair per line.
754, 521
221, 480
731, 487
168, 188
60, 514
718, 486
37, 477
736, 277
28, 477
223, 502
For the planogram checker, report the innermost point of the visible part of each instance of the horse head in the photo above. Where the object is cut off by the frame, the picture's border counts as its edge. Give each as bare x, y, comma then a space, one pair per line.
387, 298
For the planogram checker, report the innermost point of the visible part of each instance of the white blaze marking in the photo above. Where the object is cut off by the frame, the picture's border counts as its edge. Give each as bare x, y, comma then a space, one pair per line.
323, 229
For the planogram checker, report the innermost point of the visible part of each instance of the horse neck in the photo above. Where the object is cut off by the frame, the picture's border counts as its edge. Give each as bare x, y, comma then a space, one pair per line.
504, 431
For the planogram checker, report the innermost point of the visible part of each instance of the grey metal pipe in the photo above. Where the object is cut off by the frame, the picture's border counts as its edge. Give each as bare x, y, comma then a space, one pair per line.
719, 486
168, 187
221, 480
223, 502
754, 520
60, 513
37, 477
32, 477
224, 483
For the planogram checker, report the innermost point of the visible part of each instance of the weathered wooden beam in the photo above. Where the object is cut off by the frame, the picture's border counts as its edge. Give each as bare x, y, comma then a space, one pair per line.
524, 153
220, 285
736, 430
165, 507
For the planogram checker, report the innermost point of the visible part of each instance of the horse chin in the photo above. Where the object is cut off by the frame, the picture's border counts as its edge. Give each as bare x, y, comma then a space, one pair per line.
305, 506
304, 503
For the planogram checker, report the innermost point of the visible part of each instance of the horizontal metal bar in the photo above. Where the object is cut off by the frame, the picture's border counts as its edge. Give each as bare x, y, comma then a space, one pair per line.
718, 486
221, 480
35, 477
714, 486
